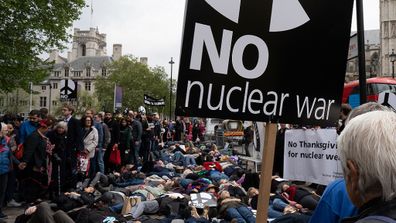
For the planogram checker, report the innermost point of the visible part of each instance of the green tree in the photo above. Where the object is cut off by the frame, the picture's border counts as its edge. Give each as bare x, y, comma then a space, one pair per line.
28, 29
136, 79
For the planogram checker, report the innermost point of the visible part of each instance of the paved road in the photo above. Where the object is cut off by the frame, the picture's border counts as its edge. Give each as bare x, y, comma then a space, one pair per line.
12, 214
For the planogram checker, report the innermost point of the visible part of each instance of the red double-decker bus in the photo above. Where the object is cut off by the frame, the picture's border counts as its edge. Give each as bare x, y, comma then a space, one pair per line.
375, 86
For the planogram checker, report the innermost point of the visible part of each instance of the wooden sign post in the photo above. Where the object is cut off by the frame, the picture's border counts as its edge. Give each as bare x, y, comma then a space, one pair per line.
266, 172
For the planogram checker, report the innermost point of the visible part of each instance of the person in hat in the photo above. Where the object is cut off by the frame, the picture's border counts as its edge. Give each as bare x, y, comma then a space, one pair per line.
34, 162
212, 189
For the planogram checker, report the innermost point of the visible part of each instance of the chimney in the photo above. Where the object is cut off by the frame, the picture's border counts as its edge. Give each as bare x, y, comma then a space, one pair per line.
69, 56
117, 51
53, 55
143, 60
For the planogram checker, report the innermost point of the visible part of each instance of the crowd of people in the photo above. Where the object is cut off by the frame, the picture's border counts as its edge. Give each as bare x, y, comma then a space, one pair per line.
135, 167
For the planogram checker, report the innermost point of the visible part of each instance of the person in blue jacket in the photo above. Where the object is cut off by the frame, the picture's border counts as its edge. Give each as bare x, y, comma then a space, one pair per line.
335, 203
5, 166
28, 127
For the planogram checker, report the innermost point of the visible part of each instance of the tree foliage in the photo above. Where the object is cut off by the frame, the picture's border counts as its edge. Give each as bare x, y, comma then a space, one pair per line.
136, 79
28, 29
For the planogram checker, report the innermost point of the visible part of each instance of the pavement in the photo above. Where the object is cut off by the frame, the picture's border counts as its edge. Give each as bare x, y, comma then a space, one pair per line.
12, 214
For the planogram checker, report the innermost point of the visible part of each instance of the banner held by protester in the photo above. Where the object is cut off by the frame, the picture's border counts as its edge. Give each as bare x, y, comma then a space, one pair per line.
153, 101
235, 63
311, 155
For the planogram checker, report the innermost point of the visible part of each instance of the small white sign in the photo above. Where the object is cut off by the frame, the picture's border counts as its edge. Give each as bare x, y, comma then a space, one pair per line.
311, 155
353, 47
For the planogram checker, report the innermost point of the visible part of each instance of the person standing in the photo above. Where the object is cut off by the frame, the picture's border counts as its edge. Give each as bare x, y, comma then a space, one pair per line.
114, 129
125, 141
90, 139
147, 138
179, 128
99, 149
195, 130
279, 151
74, 142
36, 149
167, 135
137, 130
247, 139
155, 147
106, 141
58, 137
28, 127
5, 166
12, 180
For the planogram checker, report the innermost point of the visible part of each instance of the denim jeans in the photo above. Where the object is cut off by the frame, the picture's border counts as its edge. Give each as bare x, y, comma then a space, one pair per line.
278, 204
216, 176
99, 160
135, 153
129, 182
189, 160
242, 214
149, 207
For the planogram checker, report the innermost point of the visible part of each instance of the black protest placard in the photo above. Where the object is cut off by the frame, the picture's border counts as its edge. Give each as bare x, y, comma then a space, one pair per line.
153, 101
68, 90
264, 60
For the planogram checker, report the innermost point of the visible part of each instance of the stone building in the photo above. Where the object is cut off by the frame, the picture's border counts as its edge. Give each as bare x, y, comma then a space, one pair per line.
388, 34
372, 55
86, 61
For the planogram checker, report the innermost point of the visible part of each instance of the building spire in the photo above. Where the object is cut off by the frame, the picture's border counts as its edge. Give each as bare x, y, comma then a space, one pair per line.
91, 17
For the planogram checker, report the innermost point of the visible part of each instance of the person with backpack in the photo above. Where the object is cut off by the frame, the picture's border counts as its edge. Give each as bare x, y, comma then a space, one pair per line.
368, 158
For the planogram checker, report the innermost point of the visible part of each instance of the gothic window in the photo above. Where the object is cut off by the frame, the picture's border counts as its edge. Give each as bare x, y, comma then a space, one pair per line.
104, 72
77, 73
56, 73
66, 72
23, 102
88, 71
55, 85
83, 50
54, 103
43, 101
88, 86
43, 88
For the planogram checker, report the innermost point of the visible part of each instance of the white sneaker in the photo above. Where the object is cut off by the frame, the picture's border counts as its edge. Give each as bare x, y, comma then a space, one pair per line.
13, 204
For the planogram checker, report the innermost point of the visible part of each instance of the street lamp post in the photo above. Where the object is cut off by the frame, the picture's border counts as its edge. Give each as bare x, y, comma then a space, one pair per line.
392, 58
170, 90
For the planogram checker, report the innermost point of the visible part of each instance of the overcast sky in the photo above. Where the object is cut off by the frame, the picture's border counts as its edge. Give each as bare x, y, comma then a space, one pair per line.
153, 28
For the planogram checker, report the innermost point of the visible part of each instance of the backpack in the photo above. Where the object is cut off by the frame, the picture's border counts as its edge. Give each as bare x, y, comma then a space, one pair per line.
378, 218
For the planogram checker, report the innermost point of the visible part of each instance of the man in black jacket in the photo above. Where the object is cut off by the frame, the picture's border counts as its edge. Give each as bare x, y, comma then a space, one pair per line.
74, 142
137, 130
114, 128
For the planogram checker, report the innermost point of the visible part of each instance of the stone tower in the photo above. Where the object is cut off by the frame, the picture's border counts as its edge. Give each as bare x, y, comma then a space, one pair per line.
117, 51
388, 34
88, 43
